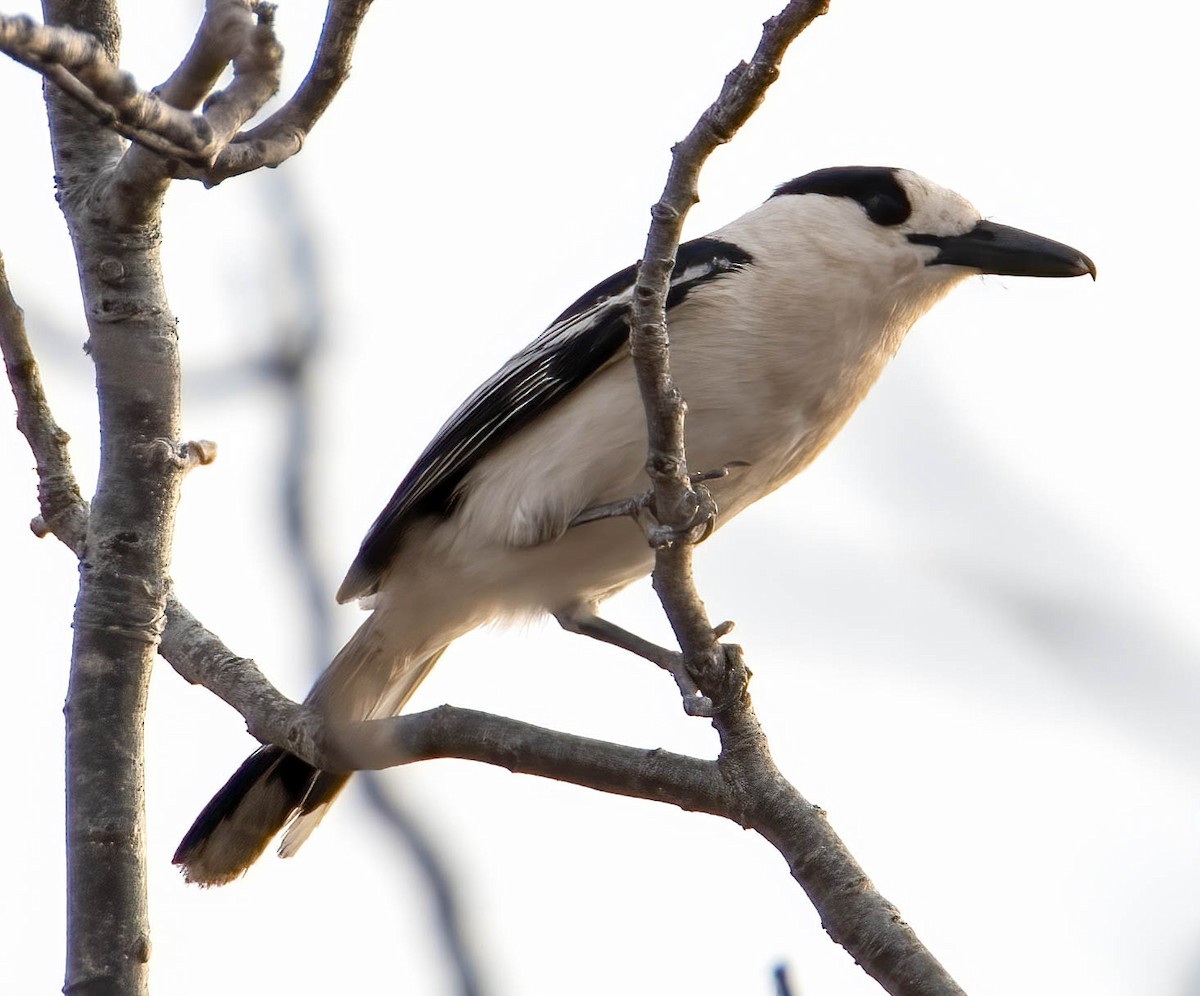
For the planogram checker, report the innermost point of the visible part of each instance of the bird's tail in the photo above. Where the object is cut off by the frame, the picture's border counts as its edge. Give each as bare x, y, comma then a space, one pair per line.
273, 789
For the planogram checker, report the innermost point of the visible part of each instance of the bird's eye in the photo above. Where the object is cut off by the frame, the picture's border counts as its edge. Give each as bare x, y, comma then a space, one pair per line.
886, 210
875, 188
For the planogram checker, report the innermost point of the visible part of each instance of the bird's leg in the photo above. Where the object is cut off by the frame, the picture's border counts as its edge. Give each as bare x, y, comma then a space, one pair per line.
582, 619
641, 508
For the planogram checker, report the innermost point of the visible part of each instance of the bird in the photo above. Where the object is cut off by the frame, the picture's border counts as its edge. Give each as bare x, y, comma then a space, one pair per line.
780, 322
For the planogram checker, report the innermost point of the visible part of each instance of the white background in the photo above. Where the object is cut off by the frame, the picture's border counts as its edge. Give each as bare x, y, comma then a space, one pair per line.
972, 623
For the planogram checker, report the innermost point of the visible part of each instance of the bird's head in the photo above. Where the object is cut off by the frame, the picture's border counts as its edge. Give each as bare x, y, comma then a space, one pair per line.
880, 214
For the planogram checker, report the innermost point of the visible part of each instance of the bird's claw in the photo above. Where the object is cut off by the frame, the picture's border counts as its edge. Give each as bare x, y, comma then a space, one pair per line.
700, 706
695, 702
701, 524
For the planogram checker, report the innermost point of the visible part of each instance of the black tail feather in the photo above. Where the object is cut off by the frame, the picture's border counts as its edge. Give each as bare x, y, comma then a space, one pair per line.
249, 810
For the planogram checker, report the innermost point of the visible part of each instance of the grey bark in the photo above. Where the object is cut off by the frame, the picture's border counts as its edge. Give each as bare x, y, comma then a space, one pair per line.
122, 587
111, 196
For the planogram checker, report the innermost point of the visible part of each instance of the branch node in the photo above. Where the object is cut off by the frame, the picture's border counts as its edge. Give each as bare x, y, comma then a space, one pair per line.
111, 270
663, 210
197, 453
664, 465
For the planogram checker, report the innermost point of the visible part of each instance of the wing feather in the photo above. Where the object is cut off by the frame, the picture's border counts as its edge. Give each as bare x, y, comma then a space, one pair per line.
586, 337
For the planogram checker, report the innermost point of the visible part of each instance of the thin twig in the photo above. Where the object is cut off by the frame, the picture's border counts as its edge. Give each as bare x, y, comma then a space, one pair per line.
853, 912
676, 501
233, 32
161, 122
207, 146
63, 510
282, 134
219, 38
257, 67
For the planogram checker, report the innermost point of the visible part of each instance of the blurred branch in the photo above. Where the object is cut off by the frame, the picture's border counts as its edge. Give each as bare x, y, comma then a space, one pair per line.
421, 847
300, 332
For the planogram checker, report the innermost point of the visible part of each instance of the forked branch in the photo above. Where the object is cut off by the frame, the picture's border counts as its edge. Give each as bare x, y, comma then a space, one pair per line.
207, 146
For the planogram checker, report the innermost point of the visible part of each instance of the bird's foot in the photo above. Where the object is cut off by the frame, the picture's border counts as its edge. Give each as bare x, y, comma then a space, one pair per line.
698, 527
582, 620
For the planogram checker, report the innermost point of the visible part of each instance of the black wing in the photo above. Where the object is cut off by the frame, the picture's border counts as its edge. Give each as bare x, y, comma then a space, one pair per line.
577, 344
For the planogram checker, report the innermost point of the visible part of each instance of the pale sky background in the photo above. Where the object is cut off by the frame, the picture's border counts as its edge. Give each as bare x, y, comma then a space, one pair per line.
972, 623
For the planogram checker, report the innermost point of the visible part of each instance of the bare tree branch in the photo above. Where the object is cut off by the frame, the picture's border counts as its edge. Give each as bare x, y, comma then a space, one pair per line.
63, 510
201, 658
219, 38
742, 785
77, 63
852, 911
122, 590
677, 503
447, 731
231, 32
170, 140
282, 134
111, 199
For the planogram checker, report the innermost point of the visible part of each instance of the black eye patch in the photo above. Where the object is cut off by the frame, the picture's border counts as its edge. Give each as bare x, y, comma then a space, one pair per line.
875, 188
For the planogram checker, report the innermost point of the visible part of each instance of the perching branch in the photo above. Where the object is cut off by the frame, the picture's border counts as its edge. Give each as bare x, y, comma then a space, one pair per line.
741, 785
852, 911
677, 503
